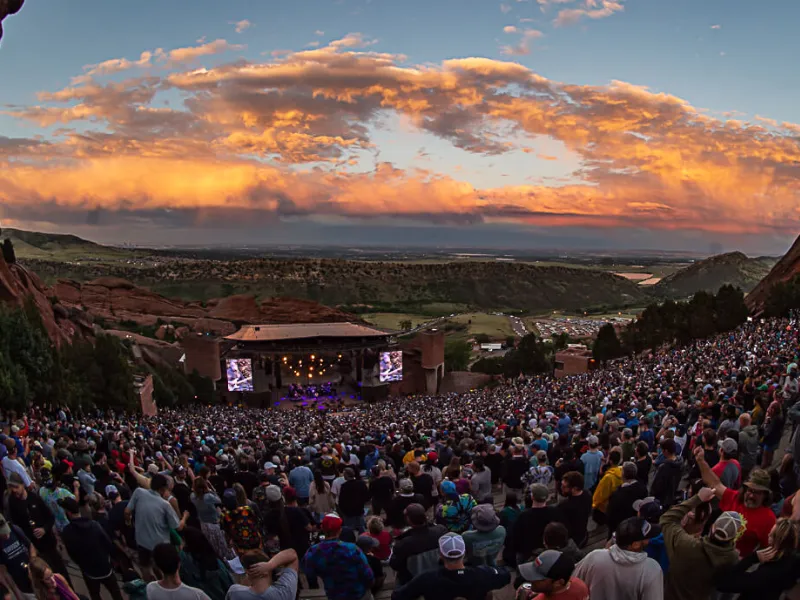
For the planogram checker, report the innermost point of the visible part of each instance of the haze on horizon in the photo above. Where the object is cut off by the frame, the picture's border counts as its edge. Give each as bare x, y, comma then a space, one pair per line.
607, 124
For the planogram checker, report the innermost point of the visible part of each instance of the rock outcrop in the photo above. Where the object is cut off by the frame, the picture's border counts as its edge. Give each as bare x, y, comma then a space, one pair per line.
733, 268
18, 286
785, 269
111, 300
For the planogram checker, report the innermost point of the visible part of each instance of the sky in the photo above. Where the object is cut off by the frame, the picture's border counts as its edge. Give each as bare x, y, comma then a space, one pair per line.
542, 124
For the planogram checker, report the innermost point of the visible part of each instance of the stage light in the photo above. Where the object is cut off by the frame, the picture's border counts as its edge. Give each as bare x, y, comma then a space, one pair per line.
312, 357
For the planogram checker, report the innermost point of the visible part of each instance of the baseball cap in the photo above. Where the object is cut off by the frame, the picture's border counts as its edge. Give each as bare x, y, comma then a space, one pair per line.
270, 465
593, 440
729, 446
550, 564
111, 490
5, 528
539, 492
635, 529
331, 522
289, 494
728, 526
433, 457
367, 542
451, 545
407, 486
484, 518
648, 508
273, 493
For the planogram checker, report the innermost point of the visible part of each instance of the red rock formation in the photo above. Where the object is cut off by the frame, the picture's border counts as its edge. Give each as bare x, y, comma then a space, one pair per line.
17, 285
785, 269
113, 300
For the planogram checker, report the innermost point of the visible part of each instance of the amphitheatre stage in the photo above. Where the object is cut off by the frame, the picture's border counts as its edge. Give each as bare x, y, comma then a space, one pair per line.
307, 364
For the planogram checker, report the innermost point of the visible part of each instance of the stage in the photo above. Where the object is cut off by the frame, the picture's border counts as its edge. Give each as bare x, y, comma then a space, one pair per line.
309, 364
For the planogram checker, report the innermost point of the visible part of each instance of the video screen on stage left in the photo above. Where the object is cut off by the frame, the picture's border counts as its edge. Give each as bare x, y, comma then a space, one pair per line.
240, 374
391, 366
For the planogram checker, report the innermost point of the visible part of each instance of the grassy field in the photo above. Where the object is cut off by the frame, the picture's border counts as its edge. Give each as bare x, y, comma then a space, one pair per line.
392, 320
497, 327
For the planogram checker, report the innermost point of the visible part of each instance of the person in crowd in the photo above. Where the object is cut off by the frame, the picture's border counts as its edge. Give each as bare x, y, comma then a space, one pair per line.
481, 482
728, 468
269, 579
368, 544
485, 541
154, 518
511, 511
515, 467
48, 585
650, 510
748, 445
576, 508
609, 483
16, 552
320, 497
12, 464
353, 497
620, 505
89, 546
529, 528
342, 566
455, 510
375, 529
624, 571
207, 501
240, 522
644, 462
693, 561
550, 576
51, 492
201, 568
395, 513
776, 566
381, 490
416, 550
556, 537
668, 474
170, 587
29, 512
592, 461
453, 579
301, 478
752, 501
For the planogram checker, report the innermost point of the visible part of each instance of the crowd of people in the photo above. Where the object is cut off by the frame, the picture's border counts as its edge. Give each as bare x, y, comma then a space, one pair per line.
653, 477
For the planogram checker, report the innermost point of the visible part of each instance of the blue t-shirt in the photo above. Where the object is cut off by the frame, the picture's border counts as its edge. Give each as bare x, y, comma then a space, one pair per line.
563, 425
300, 478
592, 461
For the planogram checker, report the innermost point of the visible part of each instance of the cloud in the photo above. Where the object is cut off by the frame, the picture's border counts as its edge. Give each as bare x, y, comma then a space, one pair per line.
505, 8
293, 136
716, 27
192, 53
523, 47
319, 32
593, 9
241, 26
509, 29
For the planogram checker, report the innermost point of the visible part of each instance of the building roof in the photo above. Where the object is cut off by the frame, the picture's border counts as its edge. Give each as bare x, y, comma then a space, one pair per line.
298, 331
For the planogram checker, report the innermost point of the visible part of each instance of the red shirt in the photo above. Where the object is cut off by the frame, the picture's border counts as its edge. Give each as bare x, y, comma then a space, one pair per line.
759, 523
577, 590
384, 551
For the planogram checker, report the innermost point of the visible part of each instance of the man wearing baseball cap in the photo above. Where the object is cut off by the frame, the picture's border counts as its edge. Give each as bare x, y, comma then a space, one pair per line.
550, 576
453, 579
752, 501
624, 570
342, 566
694, 561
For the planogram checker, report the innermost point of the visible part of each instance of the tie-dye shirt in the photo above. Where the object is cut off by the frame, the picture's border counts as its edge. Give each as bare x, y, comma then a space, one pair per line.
51, 498
343, 568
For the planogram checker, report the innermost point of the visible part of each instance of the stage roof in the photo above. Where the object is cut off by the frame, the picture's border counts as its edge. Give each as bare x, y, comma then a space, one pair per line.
304, 331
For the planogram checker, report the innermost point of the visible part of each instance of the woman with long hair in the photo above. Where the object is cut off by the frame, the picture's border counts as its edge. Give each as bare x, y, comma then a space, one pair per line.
206, 500
776, 567
48, 585
320, 498
201, 567
240, 521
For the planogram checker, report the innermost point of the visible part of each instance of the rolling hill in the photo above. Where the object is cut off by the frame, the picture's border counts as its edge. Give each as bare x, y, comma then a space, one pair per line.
733, 268
57, 246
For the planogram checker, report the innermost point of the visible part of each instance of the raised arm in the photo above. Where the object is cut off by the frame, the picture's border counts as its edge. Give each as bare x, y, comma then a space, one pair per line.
709, 477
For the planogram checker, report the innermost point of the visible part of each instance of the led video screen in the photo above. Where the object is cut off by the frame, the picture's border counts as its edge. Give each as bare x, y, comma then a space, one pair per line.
391, 366
240, 374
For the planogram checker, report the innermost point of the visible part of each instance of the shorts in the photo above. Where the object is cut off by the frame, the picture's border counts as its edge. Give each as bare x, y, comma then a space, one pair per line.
145, 557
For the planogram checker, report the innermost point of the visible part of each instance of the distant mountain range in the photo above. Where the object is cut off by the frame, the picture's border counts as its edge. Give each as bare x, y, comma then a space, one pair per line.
389, 284
733, 268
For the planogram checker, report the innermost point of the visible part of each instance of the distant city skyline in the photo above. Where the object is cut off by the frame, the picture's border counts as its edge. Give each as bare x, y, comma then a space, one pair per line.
583, 124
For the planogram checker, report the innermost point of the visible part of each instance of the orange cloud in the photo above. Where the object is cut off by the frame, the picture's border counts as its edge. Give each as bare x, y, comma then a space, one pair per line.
294, 136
